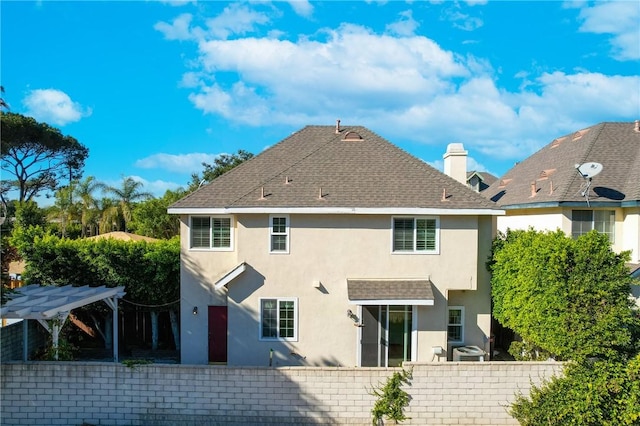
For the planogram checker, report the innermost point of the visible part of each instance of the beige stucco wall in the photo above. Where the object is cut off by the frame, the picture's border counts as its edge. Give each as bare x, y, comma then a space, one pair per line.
630, 238
330, 249
627, 226
540, 219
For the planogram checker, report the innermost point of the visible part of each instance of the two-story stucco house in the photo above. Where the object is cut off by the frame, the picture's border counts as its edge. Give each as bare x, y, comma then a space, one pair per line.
334, 247
586, 180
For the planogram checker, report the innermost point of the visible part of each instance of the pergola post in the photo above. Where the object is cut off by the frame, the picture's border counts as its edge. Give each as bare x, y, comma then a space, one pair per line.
113, 304
25, 340
54, 326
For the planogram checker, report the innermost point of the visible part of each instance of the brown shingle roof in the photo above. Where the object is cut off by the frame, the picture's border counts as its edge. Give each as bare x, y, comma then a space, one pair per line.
376, 290
553, 170
364, 173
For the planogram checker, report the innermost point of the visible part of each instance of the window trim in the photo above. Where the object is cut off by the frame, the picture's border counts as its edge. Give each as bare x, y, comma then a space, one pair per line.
272, 234
211, 219
295, 319
461, 325
436, 250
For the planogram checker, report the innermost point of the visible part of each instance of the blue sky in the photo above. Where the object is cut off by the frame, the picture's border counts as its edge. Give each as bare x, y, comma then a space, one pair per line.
154, 88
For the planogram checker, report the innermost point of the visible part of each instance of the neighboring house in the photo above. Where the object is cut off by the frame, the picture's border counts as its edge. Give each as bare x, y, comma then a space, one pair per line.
334, 247
586, 180
479, 181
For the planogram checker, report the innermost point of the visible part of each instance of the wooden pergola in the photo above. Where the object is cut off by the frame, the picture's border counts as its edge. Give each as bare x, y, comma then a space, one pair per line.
51, 305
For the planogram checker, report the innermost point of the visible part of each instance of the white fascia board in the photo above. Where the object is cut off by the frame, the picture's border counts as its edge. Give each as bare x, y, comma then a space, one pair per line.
413, 211
422, 302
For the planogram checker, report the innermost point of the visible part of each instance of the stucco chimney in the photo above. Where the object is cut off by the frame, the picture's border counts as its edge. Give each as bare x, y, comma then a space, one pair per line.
455, 162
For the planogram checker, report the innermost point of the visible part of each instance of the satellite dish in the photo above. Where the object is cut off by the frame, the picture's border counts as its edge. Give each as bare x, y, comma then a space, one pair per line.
589, 170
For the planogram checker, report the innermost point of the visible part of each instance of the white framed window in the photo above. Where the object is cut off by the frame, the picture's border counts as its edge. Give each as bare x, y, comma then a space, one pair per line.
279, 234
583, 221
211, 233
415, 234
279, 319
455, 324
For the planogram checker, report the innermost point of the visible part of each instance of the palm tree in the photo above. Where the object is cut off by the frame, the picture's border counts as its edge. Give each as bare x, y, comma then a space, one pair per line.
88, 204
62, 210
125, 198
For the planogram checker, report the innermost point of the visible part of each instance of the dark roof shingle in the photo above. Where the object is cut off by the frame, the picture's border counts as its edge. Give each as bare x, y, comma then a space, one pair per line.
360, 173
549, 176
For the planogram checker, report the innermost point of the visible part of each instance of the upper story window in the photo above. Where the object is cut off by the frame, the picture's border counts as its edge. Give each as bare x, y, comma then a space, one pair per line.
455, 324
583, 221
279, 234
415, 234
211, 232
279, 319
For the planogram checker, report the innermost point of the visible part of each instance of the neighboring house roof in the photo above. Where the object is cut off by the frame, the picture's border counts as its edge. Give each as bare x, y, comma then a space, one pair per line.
318, 167
123, 236
550, 178
485, 178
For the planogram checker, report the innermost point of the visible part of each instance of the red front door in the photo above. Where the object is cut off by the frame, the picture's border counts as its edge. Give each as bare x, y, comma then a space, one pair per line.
217, 334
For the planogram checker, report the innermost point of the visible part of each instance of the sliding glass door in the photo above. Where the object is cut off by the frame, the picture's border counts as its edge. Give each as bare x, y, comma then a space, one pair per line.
386, 335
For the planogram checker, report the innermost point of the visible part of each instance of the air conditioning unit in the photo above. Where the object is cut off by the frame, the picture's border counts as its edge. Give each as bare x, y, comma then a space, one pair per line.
468, 353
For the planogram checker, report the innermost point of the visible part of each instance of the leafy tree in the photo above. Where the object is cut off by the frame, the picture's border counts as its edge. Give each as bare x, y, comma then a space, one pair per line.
8, 254
150, 217
567, 297
221, 165
597, 393
29, 214
3, 103
125, 197
37, 156
150, 272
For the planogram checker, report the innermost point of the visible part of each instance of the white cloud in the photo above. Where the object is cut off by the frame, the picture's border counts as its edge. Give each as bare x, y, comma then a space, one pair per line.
302, 7
177, 2
460, 20
620, 19
235, 19
53, 106
352, 68
179, 163
405, 26
178, 29
407, 88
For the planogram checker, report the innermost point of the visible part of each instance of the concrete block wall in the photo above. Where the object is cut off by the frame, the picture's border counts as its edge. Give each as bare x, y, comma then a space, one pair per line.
74, 393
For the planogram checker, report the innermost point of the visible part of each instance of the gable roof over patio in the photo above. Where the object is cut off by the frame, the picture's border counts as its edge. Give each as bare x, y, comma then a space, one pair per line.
390, 292
46, 304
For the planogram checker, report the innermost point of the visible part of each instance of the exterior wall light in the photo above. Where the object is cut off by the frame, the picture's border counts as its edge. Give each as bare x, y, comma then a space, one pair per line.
195, 310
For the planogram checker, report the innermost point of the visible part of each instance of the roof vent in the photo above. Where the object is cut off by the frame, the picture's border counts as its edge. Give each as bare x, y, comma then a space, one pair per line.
546, 173
352, 137
637, 126
556, 142
579, 134
338, 127
504, 182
